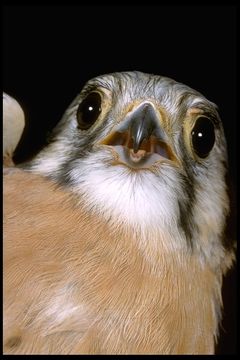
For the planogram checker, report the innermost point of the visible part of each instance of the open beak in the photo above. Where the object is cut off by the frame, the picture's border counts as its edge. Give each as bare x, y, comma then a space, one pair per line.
139, 141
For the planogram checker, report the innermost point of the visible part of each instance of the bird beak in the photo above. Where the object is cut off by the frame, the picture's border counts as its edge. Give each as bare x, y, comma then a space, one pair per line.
139, 140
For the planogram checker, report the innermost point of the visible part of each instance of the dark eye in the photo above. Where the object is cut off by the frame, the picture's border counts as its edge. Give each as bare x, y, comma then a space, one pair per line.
89, 110
203, 136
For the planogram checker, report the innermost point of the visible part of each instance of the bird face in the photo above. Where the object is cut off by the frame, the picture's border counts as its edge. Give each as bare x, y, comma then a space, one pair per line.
144, 151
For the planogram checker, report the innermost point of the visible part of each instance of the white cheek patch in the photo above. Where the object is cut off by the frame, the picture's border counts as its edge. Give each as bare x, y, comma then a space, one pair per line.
47, 163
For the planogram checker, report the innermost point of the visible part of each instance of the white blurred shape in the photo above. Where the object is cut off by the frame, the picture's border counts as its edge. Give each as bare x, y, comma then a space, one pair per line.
13, 125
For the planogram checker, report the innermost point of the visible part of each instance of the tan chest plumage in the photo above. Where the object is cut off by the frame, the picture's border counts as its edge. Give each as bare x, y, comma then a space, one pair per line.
73, 284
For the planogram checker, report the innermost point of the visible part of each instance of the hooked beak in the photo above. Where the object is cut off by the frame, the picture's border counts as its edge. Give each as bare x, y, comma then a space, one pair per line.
139, 141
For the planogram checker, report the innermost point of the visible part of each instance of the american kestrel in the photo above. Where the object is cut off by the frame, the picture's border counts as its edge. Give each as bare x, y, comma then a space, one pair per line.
114, 231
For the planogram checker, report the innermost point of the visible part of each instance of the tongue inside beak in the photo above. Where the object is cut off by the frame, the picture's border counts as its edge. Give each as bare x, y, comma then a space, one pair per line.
150, 151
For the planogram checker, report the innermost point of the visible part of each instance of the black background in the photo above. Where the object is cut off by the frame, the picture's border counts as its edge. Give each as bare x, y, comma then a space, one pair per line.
50, 51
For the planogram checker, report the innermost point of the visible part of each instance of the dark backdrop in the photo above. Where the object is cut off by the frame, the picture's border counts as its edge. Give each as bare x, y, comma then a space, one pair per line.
50, 51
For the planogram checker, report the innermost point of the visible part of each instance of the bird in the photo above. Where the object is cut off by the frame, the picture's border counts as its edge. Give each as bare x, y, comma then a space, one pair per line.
114, 232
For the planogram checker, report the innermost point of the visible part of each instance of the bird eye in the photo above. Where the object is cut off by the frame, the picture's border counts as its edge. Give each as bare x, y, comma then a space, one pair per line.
203, 136
89, 110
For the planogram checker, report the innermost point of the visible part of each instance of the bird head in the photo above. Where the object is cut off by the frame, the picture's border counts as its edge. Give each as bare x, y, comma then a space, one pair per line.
144, 151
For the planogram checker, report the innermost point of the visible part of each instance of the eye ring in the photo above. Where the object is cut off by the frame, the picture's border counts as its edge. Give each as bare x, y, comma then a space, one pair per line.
89, 110
202, 136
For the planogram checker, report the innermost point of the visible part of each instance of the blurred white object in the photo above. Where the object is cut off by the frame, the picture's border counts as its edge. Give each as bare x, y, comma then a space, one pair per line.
13, 125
